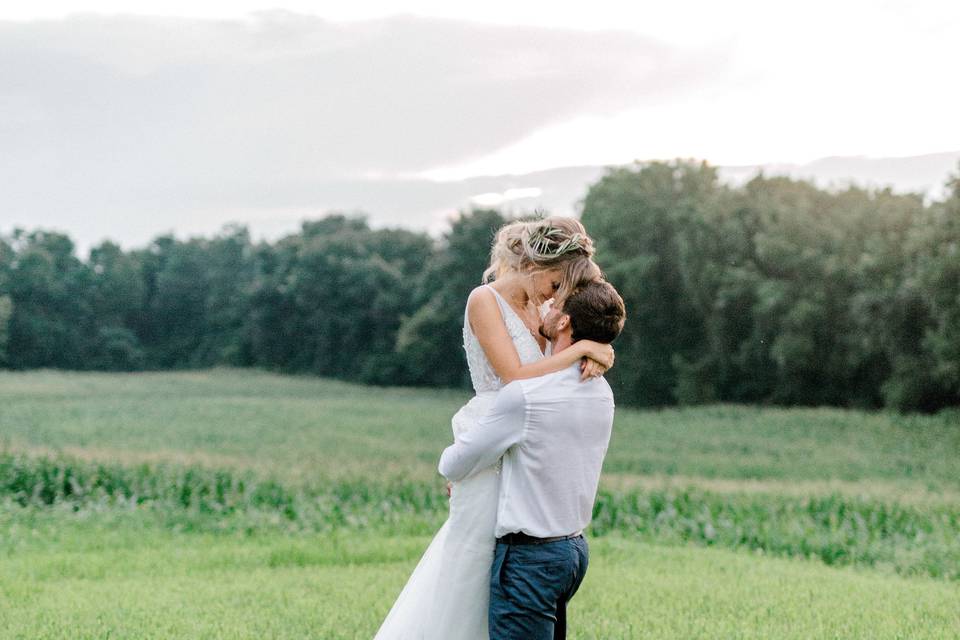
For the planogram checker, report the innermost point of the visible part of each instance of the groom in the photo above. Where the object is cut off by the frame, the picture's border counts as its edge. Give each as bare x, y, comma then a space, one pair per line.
553, 433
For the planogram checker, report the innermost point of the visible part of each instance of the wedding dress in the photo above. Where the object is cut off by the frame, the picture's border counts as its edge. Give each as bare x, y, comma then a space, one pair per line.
447, 595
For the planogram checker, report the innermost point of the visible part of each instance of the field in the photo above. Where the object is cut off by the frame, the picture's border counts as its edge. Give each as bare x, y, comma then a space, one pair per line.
241, 504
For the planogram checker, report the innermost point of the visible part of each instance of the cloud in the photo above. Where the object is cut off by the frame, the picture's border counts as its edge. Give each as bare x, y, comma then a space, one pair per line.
135, 116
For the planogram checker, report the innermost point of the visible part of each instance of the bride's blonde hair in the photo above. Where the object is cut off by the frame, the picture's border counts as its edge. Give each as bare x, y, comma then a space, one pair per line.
555, 242
577, 273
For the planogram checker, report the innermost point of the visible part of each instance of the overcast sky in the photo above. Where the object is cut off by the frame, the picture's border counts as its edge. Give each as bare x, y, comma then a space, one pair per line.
184, 115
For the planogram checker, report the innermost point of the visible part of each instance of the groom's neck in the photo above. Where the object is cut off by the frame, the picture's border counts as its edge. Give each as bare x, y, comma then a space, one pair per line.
562, 342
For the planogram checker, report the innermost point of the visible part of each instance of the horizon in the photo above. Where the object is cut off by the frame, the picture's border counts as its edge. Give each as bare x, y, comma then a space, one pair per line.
526, 197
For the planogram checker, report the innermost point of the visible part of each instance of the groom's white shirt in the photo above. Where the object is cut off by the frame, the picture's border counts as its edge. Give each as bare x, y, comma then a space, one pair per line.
553, 432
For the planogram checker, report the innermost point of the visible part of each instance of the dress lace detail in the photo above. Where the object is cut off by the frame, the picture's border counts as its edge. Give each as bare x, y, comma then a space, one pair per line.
482, 375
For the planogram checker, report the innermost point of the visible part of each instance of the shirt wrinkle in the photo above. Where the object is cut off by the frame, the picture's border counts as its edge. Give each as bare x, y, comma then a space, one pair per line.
553, 418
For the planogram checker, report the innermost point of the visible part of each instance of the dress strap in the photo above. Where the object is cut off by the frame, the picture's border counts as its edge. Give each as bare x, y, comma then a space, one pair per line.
504, 305
512, 318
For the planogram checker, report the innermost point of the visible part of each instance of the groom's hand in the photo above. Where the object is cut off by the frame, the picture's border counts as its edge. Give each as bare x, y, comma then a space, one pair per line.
449, 488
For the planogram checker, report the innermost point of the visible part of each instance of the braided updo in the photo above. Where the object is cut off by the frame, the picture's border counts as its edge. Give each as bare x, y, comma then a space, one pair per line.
555, 242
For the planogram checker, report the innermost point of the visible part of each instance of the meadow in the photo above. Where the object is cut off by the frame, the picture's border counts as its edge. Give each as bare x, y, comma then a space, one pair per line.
243, 504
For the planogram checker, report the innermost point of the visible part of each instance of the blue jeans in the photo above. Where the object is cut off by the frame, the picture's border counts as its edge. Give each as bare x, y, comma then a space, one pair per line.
530, 585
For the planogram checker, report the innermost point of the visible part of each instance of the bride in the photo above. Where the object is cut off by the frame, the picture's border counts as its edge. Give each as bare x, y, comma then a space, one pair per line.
447, 595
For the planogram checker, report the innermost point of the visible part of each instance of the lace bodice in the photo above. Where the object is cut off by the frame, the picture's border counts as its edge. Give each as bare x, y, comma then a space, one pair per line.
482, 375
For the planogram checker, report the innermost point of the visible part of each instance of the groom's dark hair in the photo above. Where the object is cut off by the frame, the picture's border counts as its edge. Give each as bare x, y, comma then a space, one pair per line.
596, 312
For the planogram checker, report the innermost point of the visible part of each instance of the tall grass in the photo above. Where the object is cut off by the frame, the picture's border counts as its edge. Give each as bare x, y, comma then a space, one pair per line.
303, 428
838, 530
203, 498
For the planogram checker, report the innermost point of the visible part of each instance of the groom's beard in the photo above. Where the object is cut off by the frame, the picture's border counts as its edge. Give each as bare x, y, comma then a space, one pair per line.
543, 332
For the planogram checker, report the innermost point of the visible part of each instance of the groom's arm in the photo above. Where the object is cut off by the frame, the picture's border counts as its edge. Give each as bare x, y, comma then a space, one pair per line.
496, 432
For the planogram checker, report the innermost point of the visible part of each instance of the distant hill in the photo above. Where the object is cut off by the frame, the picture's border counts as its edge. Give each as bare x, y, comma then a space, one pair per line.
919, 174
422, 203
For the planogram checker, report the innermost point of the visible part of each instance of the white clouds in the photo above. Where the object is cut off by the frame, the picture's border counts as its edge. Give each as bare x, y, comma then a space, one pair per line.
310, 98
115, 122
801, 81
110, 119
498, 199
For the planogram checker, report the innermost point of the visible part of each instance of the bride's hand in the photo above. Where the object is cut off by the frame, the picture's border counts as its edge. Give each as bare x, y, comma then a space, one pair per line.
597, 351
599, 358
591, 369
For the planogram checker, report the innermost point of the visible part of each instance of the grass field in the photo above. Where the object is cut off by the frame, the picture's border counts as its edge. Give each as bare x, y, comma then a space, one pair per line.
146, 583
240, 504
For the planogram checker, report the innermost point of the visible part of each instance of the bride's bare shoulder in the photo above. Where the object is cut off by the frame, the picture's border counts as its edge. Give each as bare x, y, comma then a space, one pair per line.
481, 298
483, 311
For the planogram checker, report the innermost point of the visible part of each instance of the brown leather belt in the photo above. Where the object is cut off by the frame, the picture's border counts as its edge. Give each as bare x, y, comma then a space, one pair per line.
522, 538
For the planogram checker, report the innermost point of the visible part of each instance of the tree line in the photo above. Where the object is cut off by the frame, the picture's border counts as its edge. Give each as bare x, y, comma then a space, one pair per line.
774, 292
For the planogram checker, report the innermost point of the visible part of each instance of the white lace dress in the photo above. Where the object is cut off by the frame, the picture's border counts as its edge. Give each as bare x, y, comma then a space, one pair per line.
447, 595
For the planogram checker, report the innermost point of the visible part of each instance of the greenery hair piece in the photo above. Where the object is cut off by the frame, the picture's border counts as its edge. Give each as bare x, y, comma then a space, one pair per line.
549, 242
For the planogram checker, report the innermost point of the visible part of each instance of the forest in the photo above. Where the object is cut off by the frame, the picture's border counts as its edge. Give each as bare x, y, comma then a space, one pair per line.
772, 292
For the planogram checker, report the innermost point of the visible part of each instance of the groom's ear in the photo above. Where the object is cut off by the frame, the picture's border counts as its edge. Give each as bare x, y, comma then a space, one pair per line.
563, 322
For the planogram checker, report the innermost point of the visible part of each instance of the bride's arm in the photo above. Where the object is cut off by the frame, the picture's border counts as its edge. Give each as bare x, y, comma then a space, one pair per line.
487, 324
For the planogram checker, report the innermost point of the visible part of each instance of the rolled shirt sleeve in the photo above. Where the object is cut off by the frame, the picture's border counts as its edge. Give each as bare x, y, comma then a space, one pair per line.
497, 431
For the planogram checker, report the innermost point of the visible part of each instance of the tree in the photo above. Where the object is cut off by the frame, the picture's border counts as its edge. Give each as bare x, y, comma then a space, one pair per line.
51, 324
775, 291
6, 302
637, 217
926, 373
117, 296
329, 299
430, 340
6, 311
228, 276
175, 309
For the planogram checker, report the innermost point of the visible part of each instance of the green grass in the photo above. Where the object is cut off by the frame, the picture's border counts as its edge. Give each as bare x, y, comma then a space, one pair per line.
296, 426
242, 504
312, 428
839, 530
118, 576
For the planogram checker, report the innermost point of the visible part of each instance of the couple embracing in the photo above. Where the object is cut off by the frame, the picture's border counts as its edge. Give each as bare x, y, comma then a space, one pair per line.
528, 447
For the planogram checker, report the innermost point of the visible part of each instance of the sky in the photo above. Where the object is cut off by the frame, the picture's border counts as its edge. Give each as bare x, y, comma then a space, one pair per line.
125, 119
